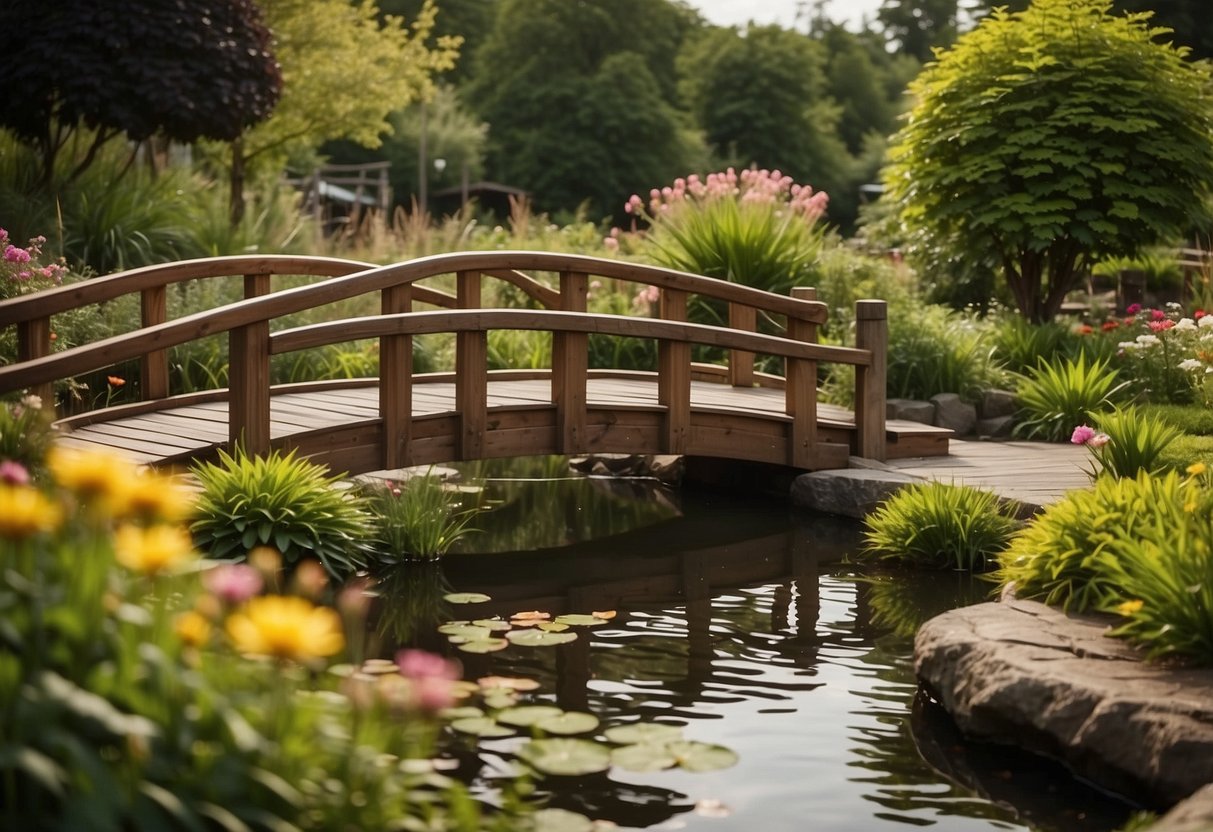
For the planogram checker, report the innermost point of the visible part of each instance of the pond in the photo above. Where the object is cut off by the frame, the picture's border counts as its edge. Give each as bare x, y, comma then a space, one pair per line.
749, 625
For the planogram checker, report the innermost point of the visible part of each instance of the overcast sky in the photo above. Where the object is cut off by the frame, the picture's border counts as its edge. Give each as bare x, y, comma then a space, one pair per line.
783, 12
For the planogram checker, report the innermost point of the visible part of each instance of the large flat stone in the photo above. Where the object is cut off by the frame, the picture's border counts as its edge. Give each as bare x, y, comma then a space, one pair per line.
1193, 815
851, 492
954, 413
1026, 674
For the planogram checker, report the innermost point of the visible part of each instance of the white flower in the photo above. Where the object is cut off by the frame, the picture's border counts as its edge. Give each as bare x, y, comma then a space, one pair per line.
1172, 305
1148, 340
1129, 345
32, 402
1205, 322
1191, 364
1185, 325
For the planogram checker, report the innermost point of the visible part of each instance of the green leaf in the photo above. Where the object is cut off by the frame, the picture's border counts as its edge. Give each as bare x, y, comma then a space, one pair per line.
532, 637
466, 597
644, 757
481, 726
644, 732
569, 722
574, 620
702, 756
561, 820
565, 757
528, 715
484, 645
463, 629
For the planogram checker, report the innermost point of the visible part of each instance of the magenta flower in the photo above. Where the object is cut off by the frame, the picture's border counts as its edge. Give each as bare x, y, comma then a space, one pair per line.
16, 255
431, 676
1133, 309
1158, 315
233, 582
1082, 435
13, 473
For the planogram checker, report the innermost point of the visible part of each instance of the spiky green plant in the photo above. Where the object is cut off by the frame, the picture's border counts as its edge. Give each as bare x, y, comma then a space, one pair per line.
938, 525
282, 501
1054, 398
417, 519
1136, 442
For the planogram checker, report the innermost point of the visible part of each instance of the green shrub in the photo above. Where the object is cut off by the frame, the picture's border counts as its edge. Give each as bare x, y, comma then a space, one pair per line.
417, 519
1055, 397
1135, 442
933, 350
1022, 346
938, 525
1058, 558
280, 501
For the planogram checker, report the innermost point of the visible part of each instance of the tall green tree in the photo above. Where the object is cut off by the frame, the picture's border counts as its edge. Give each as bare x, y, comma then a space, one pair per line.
469, 20
915, 27
579, 99
1049, 138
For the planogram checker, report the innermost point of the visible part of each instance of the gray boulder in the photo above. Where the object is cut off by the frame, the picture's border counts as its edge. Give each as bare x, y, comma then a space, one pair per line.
953, 413
997, 427
911, 410
1026, 674
1193, 815
853, 492
996, 403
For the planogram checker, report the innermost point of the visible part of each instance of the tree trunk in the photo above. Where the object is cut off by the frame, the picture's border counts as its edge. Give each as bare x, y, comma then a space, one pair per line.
236, 184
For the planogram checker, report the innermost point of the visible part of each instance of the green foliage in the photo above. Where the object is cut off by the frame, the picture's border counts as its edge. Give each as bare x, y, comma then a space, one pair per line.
1054, 398
1136, 442
1188, 418
1186, 450
419, 518
25, 433
939, 526
935, 350
1158, 264
1022, 346
280, 501
1051, 138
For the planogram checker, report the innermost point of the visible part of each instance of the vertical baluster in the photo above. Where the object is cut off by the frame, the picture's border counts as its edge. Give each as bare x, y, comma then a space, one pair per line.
570, 364
471, 373
800, 390
153, 368
396, 382
871, 333
249, 377
34, 341
674, 377
741, 363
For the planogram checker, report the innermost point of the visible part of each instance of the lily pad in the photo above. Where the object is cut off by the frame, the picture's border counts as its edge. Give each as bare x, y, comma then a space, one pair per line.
527, 715
500, 699
569, 722
464, 629
566, 757
574, 620
464, 712
552, 626
702, 756
484, 645
481, 726
561, 820
495, 625
531, 615
508, 683
466, 597
539, 638
644, 757
379, 666
644, 733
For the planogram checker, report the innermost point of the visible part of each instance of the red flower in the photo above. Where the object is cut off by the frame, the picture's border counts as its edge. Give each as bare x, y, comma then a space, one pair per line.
1158, 314
1198, 314
1161, 326
1108, 326
1084, 329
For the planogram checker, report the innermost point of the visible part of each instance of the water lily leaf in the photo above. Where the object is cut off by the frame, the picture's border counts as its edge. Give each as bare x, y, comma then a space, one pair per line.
500, 699
466, 597
565, 757
484, 645
539, 638
495, 625
531, 615
552, 626
644, 732
574, 620
507, 682
379, 666
464, 712
561, 820
643, 757
569, 722
702, 756
528, 714
481, 726
461, 629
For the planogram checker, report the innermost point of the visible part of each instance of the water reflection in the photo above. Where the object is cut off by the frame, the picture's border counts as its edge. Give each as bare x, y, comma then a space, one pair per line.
743, 623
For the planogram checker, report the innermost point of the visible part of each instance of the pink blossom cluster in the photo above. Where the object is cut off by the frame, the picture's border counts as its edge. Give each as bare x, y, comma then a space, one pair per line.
20, 265
750, 186
1087, 435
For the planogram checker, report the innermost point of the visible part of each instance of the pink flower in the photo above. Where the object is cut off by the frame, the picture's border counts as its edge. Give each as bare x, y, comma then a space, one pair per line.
1082, 435
432, 678
1160, 326
1133, 309
1158, 315
610, 243
16, 255
1098, 440
13, 473
233, 582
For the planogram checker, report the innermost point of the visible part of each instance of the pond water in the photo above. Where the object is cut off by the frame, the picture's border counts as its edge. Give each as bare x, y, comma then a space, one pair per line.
747, 624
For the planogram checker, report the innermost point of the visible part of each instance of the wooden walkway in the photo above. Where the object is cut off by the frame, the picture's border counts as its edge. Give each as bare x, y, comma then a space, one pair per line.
1035, 473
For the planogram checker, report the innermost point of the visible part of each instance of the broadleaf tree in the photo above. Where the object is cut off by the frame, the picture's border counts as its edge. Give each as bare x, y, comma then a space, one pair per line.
1050, 138
344, 72
183, 69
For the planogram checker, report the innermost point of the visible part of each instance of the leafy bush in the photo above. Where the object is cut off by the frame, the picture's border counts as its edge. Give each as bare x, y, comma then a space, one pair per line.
1055, 397
935, 350
1022, 346
416, 519
1129, 442
280, 501
939, 525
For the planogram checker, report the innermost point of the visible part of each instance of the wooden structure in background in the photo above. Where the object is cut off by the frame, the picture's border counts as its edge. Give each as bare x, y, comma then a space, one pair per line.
400, 419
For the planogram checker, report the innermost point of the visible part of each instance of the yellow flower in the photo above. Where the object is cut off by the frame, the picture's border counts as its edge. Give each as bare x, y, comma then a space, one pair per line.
153, 549
1130, 607
152, 496
192, 628
286, 627
25, 512
98, 478
1197, 468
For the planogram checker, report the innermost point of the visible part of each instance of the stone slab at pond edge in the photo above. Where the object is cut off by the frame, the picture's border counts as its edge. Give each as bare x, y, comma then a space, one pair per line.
1028, 675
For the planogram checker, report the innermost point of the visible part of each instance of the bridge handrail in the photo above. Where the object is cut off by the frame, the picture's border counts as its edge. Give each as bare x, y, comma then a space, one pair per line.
247, 321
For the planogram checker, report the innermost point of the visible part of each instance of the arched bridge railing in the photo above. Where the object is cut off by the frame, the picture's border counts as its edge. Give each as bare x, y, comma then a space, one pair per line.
563, 312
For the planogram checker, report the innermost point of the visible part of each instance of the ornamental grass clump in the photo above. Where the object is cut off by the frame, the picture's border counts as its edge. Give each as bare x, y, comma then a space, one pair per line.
939, 526
417, 519
1128, 442
1054, 398
756, 227
281, 501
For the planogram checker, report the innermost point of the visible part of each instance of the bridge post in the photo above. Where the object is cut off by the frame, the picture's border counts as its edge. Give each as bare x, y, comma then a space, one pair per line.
674, 377
872, 334
570, 364
800, 389
248, 406
741, 364
396, 382
34, 341
471, 373
153, 368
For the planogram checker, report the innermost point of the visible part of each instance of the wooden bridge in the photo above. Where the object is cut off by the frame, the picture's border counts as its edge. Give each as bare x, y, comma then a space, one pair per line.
401, 418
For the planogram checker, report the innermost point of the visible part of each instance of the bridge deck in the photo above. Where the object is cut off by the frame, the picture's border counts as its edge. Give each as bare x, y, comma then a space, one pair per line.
727, 421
